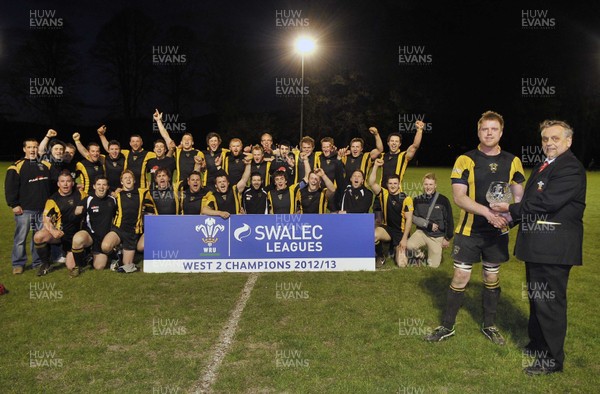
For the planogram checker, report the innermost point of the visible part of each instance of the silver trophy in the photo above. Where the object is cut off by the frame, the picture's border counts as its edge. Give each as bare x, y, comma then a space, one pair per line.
499, 191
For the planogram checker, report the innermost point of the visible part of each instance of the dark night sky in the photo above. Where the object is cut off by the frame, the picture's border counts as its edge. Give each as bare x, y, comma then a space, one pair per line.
480, 52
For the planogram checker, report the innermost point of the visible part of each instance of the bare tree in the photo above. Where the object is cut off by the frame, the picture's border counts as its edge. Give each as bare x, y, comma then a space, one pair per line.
43, 79
123, 51
177, 68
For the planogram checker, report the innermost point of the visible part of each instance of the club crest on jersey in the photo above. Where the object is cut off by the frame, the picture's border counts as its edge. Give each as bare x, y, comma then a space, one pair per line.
135, 158
540, 186
493, 167
114, 163
96, 168
128, 195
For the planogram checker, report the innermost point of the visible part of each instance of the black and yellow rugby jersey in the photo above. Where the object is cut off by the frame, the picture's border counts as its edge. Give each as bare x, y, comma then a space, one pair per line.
137, 162
61, 211
394, 163
229, 201
184, 163
281, 164
211, 167
313, 202
332, 166
351, 164
312, 162
156, 163
477, 170
394, 207
191, 203
131, 205
286, 200
114, 169
167, 201
264, 169
89, 171
98, 213
234, 166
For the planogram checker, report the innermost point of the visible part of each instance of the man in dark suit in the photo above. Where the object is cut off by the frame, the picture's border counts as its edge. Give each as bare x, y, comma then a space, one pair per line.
550, 242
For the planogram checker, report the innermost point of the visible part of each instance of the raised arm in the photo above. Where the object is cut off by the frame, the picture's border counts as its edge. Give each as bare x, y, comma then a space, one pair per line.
328, 184
101, 131
307, 170
241, 185
161, 128
44, 144
378, 143
375, 187
80, 148
410, 152
171, 149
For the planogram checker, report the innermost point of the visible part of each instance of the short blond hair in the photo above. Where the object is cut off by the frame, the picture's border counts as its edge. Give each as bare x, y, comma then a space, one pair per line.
491, 115
430, 175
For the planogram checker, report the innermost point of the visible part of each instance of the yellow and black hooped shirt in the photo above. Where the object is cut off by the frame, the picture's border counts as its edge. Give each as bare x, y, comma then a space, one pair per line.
477, 171
131, 205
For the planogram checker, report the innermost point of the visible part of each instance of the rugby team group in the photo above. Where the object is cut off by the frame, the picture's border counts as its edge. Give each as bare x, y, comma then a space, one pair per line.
100, 219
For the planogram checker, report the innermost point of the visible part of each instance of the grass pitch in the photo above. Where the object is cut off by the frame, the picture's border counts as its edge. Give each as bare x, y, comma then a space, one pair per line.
358, 332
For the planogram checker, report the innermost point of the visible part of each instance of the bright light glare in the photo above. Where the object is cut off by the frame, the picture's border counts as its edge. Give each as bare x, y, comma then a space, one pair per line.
305, 45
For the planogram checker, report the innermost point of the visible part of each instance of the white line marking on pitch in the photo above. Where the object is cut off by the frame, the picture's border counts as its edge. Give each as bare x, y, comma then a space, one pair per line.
221, 349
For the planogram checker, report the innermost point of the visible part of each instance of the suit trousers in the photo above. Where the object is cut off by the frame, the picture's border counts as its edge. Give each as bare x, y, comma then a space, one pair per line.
547, 292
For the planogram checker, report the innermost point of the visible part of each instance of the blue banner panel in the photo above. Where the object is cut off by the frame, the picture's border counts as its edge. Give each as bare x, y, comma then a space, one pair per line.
259, 243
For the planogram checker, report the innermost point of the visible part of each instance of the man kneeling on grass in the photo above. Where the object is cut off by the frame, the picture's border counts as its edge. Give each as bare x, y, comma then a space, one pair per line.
98, 211
61, 221
128, 225
397, 210
435, 225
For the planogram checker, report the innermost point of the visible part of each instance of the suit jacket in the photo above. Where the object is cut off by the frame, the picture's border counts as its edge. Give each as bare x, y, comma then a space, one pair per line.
551, 213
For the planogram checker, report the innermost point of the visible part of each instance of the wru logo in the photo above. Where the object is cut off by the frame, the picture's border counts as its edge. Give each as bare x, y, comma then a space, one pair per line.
210, 230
